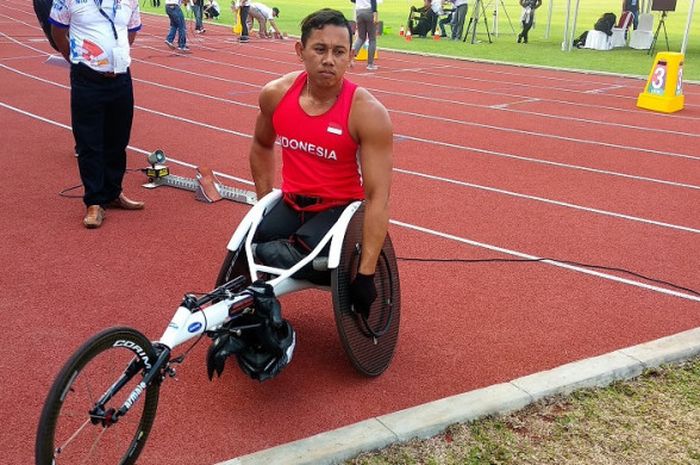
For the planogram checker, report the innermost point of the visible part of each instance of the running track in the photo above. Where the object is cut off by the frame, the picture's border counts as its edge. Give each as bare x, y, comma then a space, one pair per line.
490, 162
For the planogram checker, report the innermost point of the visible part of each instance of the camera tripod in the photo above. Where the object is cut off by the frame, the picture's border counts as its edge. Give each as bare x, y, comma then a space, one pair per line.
662, 23
474, 21
496, 9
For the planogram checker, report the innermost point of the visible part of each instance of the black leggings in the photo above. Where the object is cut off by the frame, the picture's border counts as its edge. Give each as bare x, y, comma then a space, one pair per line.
303, 229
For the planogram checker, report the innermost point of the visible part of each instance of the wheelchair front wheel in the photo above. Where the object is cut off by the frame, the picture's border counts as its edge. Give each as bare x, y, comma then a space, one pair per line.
71, 431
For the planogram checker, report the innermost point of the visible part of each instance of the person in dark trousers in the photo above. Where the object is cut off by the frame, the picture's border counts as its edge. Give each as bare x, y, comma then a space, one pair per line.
337, 143
528, 17
198, 10
212, 10
95, 39
458, 17
243, 6
366, 18
177, 25
633, 7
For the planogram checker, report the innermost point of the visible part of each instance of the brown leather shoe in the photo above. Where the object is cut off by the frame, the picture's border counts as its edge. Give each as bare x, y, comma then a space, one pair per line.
94, 217
125, 203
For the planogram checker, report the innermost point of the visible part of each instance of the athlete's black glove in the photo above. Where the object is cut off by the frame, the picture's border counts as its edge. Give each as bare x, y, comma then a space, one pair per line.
362, 293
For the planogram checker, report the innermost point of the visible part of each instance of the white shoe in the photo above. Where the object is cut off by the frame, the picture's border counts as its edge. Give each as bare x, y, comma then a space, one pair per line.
372, 67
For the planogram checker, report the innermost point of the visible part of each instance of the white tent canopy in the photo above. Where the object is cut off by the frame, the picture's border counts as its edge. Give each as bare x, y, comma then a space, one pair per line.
569, 32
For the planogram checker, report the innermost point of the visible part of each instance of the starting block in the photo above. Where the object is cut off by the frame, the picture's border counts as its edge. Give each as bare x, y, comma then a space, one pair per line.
205, 185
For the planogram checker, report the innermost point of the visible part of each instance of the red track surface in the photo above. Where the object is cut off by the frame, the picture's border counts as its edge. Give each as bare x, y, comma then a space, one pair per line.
582, 176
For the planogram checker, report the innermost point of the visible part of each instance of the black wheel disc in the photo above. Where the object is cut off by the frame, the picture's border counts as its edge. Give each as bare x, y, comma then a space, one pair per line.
369, 344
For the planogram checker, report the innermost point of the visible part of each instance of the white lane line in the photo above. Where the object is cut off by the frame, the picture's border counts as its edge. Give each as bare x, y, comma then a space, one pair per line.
424, 230
549, 201
404, 137
423, 175
503, 107
567, 266
130, 147
491, 127
547, 162
144, 109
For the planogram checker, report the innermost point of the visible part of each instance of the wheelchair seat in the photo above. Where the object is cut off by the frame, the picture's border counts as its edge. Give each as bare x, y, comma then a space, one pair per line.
369, 341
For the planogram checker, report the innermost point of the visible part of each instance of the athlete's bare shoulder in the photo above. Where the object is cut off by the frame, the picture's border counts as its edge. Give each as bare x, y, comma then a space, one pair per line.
367, 114
273, 91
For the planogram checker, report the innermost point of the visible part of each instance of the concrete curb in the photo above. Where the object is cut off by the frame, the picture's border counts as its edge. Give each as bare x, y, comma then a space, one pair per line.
433, 417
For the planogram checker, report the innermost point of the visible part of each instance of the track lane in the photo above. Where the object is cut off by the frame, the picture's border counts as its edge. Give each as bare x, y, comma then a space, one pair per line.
515, 318
207, 150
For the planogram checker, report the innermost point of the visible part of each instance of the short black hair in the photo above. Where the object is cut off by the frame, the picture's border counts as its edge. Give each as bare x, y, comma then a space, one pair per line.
275, 11
321, 18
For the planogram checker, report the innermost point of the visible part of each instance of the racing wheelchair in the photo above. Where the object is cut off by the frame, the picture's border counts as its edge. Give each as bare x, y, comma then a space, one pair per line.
102, 405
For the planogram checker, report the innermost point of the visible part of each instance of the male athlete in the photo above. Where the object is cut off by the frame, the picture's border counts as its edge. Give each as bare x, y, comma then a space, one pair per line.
336, 143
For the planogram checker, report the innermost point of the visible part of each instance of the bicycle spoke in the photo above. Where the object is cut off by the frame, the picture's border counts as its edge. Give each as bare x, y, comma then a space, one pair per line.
73, 436
94, 444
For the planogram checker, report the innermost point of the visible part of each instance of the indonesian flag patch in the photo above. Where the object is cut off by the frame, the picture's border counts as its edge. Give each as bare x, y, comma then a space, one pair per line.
335, 128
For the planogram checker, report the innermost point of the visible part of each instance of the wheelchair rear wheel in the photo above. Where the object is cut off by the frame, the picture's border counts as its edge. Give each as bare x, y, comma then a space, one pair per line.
369, 343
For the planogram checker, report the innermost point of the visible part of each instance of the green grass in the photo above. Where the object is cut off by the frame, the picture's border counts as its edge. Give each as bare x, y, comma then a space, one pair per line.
539, 51
651, 420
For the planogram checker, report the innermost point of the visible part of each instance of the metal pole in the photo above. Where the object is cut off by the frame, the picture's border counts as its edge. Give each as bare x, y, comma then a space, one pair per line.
687, 27
573, 27
549, 19
564, 46
495, 18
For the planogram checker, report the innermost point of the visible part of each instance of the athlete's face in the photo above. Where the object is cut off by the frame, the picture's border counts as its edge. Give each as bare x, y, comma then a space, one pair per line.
326, 55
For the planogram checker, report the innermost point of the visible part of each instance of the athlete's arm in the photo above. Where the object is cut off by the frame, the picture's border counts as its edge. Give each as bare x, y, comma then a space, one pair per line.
262, 150
374, 134
273, 23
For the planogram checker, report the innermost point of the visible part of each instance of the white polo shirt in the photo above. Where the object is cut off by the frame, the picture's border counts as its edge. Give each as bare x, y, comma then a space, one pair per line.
265, 10
91, 34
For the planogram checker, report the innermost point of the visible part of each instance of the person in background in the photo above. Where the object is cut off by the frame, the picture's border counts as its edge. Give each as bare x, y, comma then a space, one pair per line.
243, 7
198, 10
528, 17
434, 12
633, 7
177, 24
212, 10
446, 19
459, 15
266, 18
337, 143
366, 19
96, 42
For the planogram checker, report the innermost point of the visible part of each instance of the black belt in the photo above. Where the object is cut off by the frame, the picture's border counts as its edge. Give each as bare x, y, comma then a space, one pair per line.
85, 70
303, 201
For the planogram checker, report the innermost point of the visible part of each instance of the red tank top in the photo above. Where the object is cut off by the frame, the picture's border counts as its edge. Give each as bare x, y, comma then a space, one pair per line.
319, 157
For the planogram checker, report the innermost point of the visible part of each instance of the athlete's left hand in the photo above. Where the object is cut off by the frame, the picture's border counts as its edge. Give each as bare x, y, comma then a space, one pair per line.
362, 293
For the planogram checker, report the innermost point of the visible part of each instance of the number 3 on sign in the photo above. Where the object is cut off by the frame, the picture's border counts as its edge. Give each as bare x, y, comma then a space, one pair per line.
658, 79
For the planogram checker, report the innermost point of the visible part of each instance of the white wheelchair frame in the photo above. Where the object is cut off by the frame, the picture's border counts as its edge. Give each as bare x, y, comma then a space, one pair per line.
187, 324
